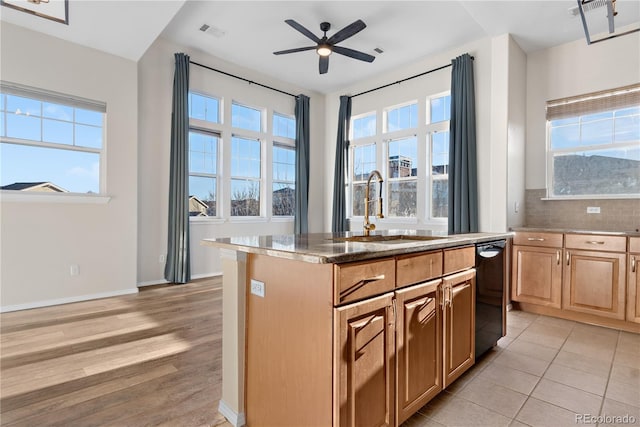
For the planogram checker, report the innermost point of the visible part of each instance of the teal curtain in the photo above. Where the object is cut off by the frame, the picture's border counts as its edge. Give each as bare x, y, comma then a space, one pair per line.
177, 268
301, 220
463, 179
342, 145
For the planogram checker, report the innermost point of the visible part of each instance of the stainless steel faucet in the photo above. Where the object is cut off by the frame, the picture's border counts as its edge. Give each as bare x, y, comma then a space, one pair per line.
367, 225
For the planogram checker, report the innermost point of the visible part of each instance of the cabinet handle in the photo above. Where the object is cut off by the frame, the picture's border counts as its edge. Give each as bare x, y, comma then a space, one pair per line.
442, 296
373, 278
450, 298
568, 257
535, 239
633, 264
594, 242
393, 321
558, 257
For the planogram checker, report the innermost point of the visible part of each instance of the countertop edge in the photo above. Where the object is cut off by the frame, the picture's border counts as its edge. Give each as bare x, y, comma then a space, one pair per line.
366, 251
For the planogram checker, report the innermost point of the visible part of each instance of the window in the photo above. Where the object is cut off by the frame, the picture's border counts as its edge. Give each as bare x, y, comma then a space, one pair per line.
202, 107
439, 174
247, 118
284, 126
414, 159
402, 182
284, 178
593, 144
364, 161
363, 126
402, 117
203, 166
438, 135
50, 142
245, 176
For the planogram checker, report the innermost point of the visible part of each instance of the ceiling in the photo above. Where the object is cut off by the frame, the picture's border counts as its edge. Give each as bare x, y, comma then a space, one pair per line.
246, 33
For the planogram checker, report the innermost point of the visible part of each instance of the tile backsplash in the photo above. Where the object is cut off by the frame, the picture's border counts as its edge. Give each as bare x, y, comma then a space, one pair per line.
615, 214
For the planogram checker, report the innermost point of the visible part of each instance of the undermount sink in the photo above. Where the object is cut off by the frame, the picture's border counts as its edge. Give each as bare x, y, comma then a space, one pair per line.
387, 239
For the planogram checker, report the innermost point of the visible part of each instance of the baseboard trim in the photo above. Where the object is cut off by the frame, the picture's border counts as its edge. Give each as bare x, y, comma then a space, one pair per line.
58, 301
235, 419
164, 282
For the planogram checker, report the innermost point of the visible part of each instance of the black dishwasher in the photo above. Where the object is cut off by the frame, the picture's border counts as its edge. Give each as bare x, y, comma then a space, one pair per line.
490, 294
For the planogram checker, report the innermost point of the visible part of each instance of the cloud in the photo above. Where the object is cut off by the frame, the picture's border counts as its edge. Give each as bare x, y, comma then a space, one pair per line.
81, 172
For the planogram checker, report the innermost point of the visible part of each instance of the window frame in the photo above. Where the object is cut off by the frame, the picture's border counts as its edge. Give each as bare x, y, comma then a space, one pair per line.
216, 176
550, 154
43, 96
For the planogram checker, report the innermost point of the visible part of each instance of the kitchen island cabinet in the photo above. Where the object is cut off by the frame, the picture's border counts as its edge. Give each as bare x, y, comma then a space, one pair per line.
350, 336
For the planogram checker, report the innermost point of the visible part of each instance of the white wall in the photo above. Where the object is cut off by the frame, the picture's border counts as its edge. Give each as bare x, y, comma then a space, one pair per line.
491, 153
39, 241
516, 135
155, 76
567, 70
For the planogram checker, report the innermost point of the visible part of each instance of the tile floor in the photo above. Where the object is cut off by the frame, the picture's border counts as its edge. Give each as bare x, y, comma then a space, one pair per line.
545, 372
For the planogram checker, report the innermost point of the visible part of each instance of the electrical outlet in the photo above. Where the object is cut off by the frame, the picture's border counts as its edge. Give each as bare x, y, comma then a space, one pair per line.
162, 258
257, 288
593, 209
74, 269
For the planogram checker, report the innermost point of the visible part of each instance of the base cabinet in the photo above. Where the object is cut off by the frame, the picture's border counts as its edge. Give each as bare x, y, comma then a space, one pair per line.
418, 347
366, 363
459, 324
594, 283
633, 281
537, 275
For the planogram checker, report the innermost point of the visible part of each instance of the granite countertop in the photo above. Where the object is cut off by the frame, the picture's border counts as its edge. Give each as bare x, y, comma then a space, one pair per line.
321, 248
630, 233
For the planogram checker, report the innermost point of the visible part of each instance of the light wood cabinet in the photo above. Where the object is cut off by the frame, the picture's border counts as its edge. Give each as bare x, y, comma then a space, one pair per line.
459, 324
537, 275
594, 282
418, 346
633, 281
365, 370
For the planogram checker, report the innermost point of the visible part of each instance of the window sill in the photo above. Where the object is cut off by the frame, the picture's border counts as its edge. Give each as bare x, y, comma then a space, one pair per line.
77, 198
595, 197
194, 220
282, 219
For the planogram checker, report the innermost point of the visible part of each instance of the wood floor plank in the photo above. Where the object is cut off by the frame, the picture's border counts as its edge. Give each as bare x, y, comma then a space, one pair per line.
148, 359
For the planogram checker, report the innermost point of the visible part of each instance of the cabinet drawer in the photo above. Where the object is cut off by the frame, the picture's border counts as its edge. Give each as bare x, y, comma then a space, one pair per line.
593, 242
359, 280
530, 238
634, 245
459, 259
412, 269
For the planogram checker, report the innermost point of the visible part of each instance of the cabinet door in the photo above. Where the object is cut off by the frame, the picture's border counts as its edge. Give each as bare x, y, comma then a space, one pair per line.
418, 347
633, 289
365, 363
537, 275
594, 282
459, 324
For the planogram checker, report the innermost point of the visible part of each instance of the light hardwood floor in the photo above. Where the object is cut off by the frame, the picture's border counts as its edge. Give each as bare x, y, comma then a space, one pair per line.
148, 359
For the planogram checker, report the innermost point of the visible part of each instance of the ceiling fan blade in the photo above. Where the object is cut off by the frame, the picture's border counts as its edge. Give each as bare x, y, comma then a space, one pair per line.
355, 54
298, 49
347, 32
323, 65
303, 30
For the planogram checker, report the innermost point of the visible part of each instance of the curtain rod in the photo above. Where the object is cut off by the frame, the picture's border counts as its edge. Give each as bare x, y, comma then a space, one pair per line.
403, 80
242, 78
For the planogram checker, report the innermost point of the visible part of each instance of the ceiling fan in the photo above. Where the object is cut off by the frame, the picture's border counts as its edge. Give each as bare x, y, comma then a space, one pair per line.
325, 46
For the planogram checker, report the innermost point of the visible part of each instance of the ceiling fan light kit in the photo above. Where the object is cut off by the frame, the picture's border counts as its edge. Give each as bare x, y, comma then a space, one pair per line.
326, 46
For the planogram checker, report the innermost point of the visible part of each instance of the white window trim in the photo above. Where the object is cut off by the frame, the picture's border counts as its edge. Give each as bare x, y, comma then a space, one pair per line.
385, 113
361, 142
549, 169
291, 145
360, 116
209, 130
42, 95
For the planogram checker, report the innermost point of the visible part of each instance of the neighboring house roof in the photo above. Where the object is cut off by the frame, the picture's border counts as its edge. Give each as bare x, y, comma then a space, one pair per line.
33, 186
198, 201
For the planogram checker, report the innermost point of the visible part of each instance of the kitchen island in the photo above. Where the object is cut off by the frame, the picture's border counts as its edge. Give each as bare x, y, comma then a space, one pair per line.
344, 329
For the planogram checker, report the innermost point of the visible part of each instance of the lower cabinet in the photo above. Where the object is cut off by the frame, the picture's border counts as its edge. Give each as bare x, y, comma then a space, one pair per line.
397, 351
365, 370
459, 296
594, 283
633, 281
419, 347
537, 275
